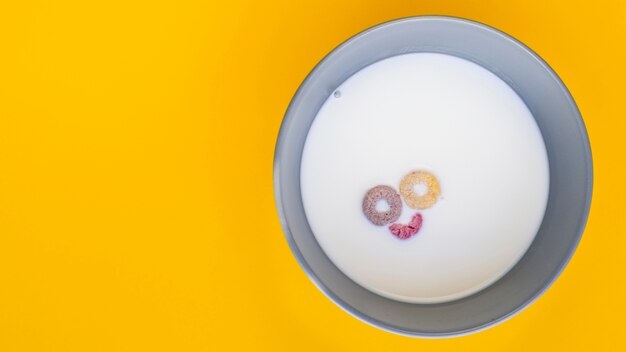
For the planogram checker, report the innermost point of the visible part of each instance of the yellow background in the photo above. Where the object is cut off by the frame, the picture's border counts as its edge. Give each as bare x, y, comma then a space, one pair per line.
136, 200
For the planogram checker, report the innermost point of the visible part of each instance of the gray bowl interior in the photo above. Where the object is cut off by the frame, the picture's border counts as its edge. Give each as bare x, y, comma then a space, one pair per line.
568, 153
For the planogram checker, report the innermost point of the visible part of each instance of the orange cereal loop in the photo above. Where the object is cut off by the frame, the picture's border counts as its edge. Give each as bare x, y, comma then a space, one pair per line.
415, 200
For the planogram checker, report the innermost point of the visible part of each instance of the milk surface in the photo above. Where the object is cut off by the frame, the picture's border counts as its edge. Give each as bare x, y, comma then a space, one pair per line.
447, 116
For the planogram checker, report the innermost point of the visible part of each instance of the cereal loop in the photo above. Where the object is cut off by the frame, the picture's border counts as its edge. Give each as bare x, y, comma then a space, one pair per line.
413, 199
376, 194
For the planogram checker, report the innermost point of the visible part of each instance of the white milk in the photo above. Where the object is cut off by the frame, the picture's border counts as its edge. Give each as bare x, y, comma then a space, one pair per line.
454, 119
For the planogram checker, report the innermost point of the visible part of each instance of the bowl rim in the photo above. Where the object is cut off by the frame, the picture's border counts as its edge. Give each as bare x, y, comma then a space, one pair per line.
279, 147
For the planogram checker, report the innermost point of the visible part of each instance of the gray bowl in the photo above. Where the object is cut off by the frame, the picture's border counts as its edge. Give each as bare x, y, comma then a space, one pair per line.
569, 158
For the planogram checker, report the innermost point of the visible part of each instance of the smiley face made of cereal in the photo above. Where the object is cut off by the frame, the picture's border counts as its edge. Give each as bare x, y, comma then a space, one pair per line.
380, 193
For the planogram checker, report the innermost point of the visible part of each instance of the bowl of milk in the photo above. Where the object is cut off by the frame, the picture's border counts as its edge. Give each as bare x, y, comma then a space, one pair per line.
433, 176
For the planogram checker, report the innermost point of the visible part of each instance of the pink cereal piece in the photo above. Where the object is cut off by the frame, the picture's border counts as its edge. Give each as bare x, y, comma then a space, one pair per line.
406, 231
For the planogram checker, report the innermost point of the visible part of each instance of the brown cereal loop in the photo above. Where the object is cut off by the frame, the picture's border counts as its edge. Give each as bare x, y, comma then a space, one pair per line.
377, 194
414, 200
